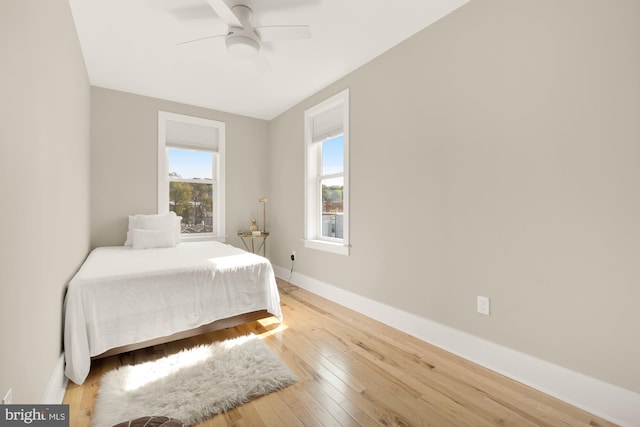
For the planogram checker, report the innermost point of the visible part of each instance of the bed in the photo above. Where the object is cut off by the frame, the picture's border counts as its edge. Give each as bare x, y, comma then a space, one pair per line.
124, 298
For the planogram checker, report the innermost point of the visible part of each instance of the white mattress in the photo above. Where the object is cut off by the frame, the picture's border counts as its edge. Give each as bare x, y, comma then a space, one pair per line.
123, 296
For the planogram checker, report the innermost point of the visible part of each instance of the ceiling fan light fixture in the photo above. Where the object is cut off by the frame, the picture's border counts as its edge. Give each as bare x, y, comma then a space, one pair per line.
242, 47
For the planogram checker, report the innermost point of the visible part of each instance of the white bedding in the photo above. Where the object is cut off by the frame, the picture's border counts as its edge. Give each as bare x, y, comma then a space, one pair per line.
123, 296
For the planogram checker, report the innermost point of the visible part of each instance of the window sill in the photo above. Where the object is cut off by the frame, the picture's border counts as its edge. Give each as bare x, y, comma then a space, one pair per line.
197, 237
322, 245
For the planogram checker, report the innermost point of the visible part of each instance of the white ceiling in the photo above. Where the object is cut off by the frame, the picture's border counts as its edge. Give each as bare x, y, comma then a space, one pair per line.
132, 46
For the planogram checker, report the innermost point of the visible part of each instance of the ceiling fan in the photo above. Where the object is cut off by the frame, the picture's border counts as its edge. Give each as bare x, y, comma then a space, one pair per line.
242, 39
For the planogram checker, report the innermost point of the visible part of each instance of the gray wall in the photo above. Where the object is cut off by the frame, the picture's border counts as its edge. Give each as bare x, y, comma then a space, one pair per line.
124, 162
494, 153
44, 186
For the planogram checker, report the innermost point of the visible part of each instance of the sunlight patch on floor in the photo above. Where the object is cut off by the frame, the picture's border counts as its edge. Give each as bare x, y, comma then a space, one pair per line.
148, 372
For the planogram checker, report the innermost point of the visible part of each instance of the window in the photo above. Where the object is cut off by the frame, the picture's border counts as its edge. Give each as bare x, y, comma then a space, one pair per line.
327, 175
191, 173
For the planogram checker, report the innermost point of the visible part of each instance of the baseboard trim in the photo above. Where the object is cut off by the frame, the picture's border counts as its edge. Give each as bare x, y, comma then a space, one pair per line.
54, 393
605, 400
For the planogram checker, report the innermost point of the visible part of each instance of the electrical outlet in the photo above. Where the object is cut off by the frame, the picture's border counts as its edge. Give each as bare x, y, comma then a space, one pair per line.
8, 398
293, 255
484, 305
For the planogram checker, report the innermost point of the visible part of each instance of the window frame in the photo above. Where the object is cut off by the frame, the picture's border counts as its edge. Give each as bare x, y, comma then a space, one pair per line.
313, 237
218, 167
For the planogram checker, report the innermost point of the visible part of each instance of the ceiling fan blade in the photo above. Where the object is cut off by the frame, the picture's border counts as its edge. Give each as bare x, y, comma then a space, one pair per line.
201, 38
283, 32
225, 13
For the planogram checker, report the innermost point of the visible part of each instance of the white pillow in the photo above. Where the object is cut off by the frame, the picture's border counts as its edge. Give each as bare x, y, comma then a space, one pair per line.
146, 239
154, 222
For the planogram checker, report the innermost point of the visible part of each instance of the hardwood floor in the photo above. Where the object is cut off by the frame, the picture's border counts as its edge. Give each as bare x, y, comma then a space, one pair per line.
355, 371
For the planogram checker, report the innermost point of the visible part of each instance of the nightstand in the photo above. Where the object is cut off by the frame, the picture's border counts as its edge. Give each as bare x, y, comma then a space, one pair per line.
249, 235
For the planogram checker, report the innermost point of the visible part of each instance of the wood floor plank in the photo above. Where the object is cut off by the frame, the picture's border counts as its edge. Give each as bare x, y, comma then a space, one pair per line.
275, 404
216, 421
355, 371
305, 407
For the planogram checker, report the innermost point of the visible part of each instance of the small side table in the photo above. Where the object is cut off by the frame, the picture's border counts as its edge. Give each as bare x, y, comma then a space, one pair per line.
249, 235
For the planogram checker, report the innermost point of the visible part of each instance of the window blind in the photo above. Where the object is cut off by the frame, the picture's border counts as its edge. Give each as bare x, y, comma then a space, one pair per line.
327, 123
188, 135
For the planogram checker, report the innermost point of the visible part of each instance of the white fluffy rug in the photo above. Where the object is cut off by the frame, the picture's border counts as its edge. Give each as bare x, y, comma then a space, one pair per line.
192, 385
